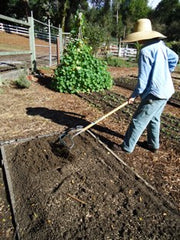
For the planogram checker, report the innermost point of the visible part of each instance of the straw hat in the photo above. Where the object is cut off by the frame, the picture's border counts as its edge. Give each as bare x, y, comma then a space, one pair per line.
143, 31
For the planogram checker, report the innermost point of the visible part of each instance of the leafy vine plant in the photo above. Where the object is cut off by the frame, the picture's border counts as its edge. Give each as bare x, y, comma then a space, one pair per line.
79, 70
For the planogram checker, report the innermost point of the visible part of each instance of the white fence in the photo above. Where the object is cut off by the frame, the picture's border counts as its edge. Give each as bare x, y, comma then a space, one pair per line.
14, 29
126, 52
123, 51
41, 34
46, 42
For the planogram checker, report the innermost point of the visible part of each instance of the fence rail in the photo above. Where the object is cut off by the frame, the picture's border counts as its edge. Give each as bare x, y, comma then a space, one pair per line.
25, 32
53, 39
125, 51
13, 29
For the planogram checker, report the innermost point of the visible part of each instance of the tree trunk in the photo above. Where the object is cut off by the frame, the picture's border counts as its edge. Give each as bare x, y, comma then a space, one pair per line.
66, 4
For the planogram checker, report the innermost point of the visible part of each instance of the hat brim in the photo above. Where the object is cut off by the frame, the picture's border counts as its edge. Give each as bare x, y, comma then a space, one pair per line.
138, 36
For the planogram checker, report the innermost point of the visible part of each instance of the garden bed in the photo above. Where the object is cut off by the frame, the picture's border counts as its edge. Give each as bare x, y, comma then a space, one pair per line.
88, 193
42, 111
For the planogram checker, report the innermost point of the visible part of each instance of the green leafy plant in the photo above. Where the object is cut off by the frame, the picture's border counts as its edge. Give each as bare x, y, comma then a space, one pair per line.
80, 71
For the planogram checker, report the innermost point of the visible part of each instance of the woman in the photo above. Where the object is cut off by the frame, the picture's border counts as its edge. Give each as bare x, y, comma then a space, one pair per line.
155, 86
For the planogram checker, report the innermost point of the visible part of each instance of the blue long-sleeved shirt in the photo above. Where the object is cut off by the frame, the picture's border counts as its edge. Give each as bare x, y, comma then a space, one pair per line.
156, 62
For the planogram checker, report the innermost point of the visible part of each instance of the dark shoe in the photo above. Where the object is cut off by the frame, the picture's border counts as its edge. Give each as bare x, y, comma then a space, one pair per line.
117, 147
148, 147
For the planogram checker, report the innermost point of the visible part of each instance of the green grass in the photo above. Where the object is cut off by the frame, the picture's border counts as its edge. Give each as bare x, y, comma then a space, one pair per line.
119, 62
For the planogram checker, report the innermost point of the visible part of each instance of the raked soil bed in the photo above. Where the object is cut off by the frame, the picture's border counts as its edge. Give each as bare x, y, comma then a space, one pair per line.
87, 193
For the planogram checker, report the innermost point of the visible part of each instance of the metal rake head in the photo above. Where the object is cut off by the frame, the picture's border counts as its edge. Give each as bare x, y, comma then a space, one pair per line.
66, 138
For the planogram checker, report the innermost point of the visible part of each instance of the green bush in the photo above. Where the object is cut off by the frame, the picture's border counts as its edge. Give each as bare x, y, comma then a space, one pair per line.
95, 36
79, 71
22, 81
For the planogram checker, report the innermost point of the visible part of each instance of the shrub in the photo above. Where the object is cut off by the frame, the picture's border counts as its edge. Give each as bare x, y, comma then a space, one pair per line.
95, 36
79, 71
22, 81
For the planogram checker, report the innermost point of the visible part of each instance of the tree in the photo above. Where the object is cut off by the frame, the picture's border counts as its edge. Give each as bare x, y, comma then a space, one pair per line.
16, 8
118, 26
165, 10
166, 17
99, 23
4, 7
132, 10
104, 18
64, 13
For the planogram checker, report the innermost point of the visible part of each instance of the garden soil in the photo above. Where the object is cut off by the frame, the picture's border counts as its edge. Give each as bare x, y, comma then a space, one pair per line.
90, 192
85, 193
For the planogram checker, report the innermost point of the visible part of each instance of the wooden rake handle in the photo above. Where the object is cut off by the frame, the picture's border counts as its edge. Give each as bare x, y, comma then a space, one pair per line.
101, 118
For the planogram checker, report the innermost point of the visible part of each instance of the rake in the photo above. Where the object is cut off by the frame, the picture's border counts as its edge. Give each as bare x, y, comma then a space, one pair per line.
79, 129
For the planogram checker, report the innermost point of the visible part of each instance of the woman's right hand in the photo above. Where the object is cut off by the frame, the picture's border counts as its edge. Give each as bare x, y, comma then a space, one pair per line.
131, 100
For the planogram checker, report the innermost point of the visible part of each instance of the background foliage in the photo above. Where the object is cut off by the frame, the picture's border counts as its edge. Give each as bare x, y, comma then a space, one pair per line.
110, 18
101, 22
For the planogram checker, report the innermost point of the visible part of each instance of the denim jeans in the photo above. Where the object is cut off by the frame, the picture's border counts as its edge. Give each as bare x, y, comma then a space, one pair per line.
146, 116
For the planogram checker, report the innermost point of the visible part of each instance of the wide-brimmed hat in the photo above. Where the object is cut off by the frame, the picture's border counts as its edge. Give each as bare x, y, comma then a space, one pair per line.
143, 31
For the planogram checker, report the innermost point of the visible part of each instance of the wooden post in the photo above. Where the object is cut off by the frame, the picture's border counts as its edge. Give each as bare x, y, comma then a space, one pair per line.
60, 43
50, 50
58, 50
32, 42
119, 49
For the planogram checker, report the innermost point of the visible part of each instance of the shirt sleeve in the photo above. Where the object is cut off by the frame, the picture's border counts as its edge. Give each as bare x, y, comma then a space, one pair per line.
143, 75
172, 59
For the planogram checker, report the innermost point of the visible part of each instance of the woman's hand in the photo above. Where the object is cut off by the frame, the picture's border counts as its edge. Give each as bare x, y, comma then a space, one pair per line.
131, 100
